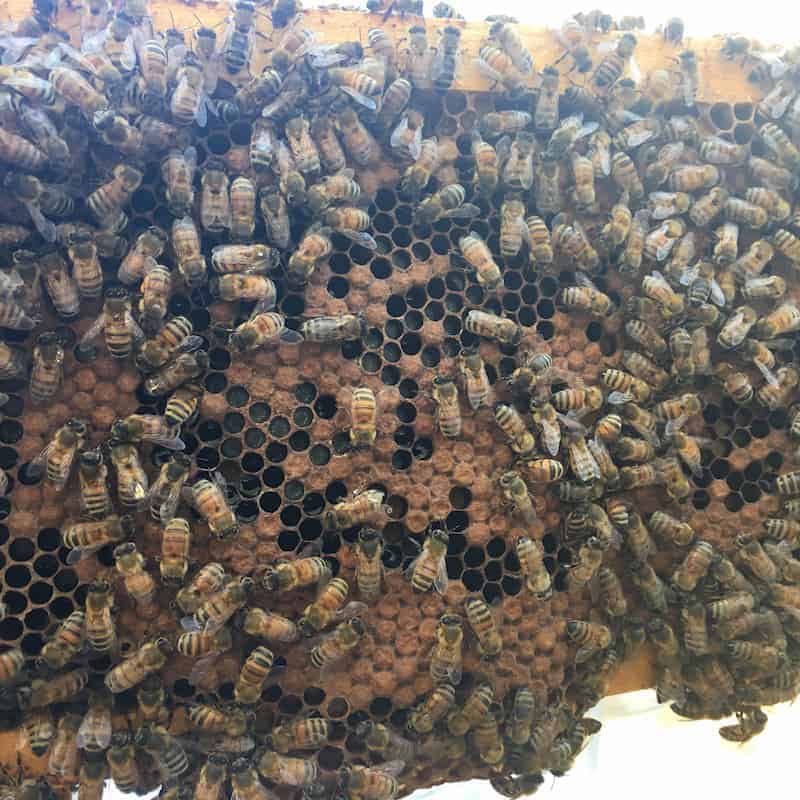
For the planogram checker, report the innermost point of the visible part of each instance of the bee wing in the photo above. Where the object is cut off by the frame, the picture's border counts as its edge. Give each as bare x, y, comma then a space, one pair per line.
503, 148
717, 295
289, 336
202, 669
14, 47
361, 237
190, 624
201, 112
392, 768
636, 72
80, 553
441, 581
170, 505
352, 609
325, 55
465, 211
361, 99
135, 329
582, 279
674, 425
487, 70
689, 275
619, 398
170, 442
768, 374
572, 424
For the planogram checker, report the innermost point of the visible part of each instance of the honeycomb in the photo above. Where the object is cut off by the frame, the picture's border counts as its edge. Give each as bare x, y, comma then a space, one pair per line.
275, 425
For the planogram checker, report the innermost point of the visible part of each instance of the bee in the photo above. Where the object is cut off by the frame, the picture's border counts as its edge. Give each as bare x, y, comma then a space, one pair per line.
47, 370
215, 204
243, 209
337, 644
429, 569
139, 583
198, 644
59, 454
782, 529
117, 325
107, 201
639, 476
518, 170
136, 428
748, 725
546, 113
64, 756
218, 608
487, 165
148, 245
264, 146
544, 470
612, 596
369, 567
769, 174
132, 482
760, 657
94, 734
510, 421
772, 287
328, 607
445, 394
177, 172
516, 492
653, 590
65, 642
447, 203
122, 763
487, 740
360, 144
755, 559
208, 580
695, 629
745, 213
101, 632
330, 149
276, 217
608, 428
770, 200
616, 231
572, 242
586, 297
735, 384
672, 530
181, 370
166, 489
164, 748
775, 394
175, 543
677, 408
254, 672
382, 740
156, 289
780, 145
483, 625
444, 66
355, 510
302, 734
719, 151
287, 771
300, 142
272, 627
445, 659
313, 247
433, 708
212, 777
18, 150
172, 339
784, 319
289, 575
579, 401
590, 636
210, 500
149, 658
587, 563
188, 102
727, 247
248, 259
482, 323
631, 258
38, 732
475, 707
538, 237
781, 556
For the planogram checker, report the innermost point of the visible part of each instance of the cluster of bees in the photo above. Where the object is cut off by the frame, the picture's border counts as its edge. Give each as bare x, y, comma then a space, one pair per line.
617, 173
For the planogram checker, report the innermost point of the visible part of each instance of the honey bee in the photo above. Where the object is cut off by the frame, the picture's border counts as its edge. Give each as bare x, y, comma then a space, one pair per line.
484, 626
653, 590
748, 725
289, 575
770, 200
94, 734
215, 204
149, 658
518, 170
288, 771
445, 659
330, 149
254, 672
132, 481
121, 762
107, 201
313, 247
210, 500
64, 756
667, 527
782, 529
139, 583
355, 510
544, 470
65, 642
612, 596
447, 203
37, 732
586, 297
166, 490
433, 708
516, 492
445, 394
172, 339
482, 323
269, 626
572, 242
148, 245
752, 555
243, 209
631, 258
381, 739
538, 237
188, 102
177, 172
328, 607
299, 139
510, 421
181, 370
445, 63
590, 636
199, 644
676, 409
608, 428
616, 231
164, 748
276, 217
47, 370
772, 287
487, 165
175, 543
429, 569
360, 143
214, 611
211, 778
578, 401
248, 259
303, 734
117, 325
784, 319
716, 150
208, 580
369, 567
337, 644
418, 174
777, 392
100, 629
57, 457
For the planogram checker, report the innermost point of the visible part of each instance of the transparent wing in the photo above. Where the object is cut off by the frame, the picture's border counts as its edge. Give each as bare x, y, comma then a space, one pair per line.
168, 508
768, 374
289, 336
441, 581
170, 442
46, 228
361, 237
190, 624
80, 553
133, 325
396, 139
465, 211
393, 768
361, 99
352, 609
619, 398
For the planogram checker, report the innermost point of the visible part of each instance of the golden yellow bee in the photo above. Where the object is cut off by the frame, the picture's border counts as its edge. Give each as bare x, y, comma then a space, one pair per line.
177, 172
419, 173
579, 401
337, 644
694, 567
587, 297
59, 454
156, 290
175, 545
252, 676
383, 740
267, 625
446, 656
778, 391
673, 530
433, 708
139, 583
47, 370
149, 658
64, 756
312, 248
210, 500
363, 415
245, 259
303, 734
58, 689
484, 626
120, 329
429, 568
121, 762
108, 200
101, 632
164, 748
325, 330
209, 579
197, 644
216, 609
166, 490
571, 242
173, 338
132, 482
510, 421
369, 566
516, 492
708, 207
290, 575
360, 143
677, 408
355, 510
287, 771
37, 732
491, 326
65, 642
85, 538
476, 706
784, 319
191, 262
328, 607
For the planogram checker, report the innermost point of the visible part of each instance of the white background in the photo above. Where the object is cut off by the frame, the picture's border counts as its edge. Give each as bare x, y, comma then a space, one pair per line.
643, 750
